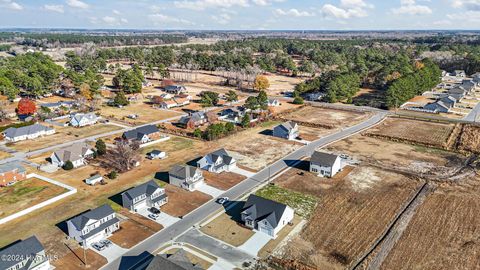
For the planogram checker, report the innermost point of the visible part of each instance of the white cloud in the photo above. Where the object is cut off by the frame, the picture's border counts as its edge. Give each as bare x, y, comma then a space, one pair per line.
12, 5
292, 12
77, 4
223, 18
116, 12
204, 4
266, 2
468, 16
161, 19
347, 9
410, 7
467, 4
54, 8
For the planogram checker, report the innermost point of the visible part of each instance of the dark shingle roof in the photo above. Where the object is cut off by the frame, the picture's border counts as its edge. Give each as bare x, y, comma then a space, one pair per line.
8, 167
183, 171
27, 130
176, 261
26, 248
147, 188
139, 132
325, 159
259, 208
227, 158
98, 213
287, 126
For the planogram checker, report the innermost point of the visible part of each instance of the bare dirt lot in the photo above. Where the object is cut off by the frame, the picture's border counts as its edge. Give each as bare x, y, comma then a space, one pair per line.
469, 139
182, 202
146, 114
443, 234
326, 117
421, 132
75, 260
131, 233
223, 181
63, 134
335, 235
26, 193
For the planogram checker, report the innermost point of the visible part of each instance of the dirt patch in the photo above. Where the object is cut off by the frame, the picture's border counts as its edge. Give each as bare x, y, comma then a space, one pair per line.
25, 194
327, 118
224, 180
146, 114
469, 139
182, 202
131, 233
75, 260
312, 134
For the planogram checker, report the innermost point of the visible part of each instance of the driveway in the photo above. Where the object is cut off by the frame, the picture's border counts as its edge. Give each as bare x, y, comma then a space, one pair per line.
163, 218
214, 192
215, 247
111, 253
243, 172
255, 243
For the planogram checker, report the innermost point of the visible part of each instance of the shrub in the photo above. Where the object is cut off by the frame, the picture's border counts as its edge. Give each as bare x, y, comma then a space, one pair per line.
112, 175
68, 166
298, 100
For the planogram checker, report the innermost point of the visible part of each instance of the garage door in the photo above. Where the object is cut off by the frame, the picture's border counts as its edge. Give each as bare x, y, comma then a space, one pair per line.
140, 206
266, 231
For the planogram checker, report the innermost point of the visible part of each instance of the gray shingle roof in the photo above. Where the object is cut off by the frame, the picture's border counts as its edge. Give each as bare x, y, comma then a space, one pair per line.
8, 167
89, 116
138, 133
26, 248
98, 213
288, 126
183, 171
259, 208
227, 158
28, 130
73, 153
147, 188
324, 159
176, 261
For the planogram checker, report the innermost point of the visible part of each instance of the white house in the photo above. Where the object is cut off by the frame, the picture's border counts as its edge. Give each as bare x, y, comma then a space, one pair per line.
265, 215
27, 132
93, 226
93, 180
288, 130
81, 120
156, 154
218, 161
325, 164
186, 177
28, 254
76, 153
149, 194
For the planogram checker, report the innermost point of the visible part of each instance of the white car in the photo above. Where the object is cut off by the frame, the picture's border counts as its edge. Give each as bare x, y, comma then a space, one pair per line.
223, 200
153, 216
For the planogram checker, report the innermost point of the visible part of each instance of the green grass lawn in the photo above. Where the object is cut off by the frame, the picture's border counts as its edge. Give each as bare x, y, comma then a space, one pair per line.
16, 192
302, 204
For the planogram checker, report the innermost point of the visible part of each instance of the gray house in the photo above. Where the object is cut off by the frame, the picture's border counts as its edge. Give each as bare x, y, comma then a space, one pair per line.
175, 261
186, 177
145, 195
449, 101
28, 254
217, 162
27, 132
175, 89
288, 130
325, 164
76, 153
265, 215
142, 134
457, 92
437, 107
93, 226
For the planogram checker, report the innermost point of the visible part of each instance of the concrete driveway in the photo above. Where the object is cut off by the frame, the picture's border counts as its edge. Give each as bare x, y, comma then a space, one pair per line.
243, 172
163, 218
111, 253
214, 192
255, 243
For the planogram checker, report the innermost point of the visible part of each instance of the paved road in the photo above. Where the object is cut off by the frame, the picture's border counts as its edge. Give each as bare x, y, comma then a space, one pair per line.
472, 116
155, 241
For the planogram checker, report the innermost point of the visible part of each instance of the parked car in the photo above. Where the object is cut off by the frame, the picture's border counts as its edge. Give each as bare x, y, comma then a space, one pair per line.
223, 200
98, 246
105, 242
153, 216
154, 210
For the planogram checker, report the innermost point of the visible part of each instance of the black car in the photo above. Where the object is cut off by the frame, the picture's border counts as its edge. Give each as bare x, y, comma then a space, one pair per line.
154, 210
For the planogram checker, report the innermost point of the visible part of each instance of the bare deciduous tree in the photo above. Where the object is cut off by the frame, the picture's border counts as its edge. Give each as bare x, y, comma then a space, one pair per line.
122, 157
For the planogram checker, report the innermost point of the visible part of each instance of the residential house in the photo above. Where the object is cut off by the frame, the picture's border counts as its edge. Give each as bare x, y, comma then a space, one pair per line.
476, 78
145, 195
11, 173
288, 130
186, 177
217, 162
195, 119
81, 120
233, 115
168, 104
265, 215
166, 96
176, 261
28, 254
273, 103
182, 100
437, 107
93, 225
156, 154
27, 132
76, 153
142, 134
325, 164
459, 73
458, 92
175, 89
57, 105
449, 101
93, 180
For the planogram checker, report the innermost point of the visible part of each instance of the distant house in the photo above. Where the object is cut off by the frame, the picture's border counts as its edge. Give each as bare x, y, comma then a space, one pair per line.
11, 172
182, 101
168, 104
437, 107
166, 96
324, 164
176, 261
288, 130
156, 154
28, 254
93, 226
265, 215
175, 89
449, 101
457, 92
145, 195
234, 115
27, 133
273, 103
142, 134
76, 153
459, 73
186, 177
57, 105
81, 120
93, 180
176, 101
194, 120
217, 162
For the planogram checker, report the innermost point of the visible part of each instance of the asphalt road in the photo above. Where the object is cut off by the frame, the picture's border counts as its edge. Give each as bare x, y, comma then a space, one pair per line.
473, 115
152, 243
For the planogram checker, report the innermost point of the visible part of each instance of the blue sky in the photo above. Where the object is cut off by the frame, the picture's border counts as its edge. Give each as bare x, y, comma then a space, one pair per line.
243, 14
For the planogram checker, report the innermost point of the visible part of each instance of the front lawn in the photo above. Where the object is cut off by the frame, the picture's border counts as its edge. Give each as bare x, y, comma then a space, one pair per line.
303, 204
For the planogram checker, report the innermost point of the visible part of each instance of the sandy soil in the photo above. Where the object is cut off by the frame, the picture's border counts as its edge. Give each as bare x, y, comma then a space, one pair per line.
74, 260
131, 233
223, 181
328, 117
146, 114
182, 202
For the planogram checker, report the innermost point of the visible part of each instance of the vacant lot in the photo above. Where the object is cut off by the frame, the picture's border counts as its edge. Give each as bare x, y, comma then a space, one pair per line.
26, 193
63, 134
146, 114
350, 215
469, 139
443, 234
324, 117
131, 233
227, 227
223, 181
74, 260
420, 132
312, 134
182, 202
255, 149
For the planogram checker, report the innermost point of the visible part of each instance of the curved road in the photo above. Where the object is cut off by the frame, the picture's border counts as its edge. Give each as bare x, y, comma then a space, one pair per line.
152, 243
